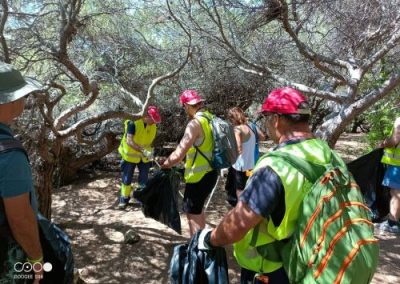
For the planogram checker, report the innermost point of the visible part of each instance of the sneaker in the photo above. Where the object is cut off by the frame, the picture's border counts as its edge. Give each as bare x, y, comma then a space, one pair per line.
123, 202
385, 227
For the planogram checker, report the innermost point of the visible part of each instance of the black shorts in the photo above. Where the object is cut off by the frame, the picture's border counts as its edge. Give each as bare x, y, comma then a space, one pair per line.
196, 193
240, 179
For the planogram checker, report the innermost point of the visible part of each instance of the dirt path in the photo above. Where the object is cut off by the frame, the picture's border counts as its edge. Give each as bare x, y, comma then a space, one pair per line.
86, 211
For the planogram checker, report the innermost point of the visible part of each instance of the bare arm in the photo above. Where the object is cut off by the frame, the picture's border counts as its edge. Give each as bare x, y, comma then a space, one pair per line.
393, 140
192, 132
235, 225
238, 136
133, 145
261, 135
23, 224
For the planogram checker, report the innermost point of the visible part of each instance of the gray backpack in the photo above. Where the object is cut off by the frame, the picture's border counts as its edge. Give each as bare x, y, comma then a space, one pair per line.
225, 150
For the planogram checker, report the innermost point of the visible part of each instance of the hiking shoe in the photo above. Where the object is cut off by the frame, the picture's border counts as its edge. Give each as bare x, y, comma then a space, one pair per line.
123, 202
385, 227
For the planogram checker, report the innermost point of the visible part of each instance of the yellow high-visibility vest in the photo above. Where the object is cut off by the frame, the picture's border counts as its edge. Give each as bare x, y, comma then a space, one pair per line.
196, 166
144, 137
391, 156
295, 186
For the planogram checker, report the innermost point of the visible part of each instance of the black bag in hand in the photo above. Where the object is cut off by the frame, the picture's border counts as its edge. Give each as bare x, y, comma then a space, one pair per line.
189, 265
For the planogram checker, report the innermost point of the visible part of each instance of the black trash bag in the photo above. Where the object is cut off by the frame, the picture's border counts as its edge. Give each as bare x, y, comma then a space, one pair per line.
159, 198
177, 263
189, 265
368, 171
56, 251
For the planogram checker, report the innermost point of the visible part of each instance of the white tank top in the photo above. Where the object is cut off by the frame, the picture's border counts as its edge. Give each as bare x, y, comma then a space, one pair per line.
245, 161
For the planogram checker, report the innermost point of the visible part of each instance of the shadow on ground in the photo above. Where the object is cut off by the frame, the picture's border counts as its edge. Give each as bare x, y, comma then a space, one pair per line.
86, 210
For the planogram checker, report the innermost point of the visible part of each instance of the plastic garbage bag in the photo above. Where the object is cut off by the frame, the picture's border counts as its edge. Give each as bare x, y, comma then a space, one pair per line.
56, 251
368, 171
159, 198
189, 265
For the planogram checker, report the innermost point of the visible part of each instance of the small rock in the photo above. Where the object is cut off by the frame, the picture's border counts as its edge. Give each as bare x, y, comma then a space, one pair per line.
131, 237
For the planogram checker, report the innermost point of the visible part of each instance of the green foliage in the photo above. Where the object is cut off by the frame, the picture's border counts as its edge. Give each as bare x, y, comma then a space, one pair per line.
381, 119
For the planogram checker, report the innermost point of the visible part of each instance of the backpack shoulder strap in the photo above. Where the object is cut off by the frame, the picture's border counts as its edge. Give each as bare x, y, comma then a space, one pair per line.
206, 116
204, 156
311, 171
202, 114
7, 145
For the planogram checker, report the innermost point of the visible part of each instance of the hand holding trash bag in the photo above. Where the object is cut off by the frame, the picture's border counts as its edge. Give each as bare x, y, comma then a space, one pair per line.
204, 240
199, 262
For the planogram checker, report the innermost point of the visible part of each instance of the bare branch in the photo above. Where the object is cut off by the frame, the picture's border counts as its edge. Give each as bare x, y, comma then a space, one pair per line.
92, 142
72, 130
320, 61
390, 44
49, 121
3, 41
219, 24
60, 120
158, 80
301, 87
368, 100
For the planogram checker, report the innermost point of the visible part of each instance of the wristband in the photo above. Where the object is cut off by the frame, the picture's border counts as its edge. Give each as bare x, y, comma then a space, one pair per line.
33, 261
207, 240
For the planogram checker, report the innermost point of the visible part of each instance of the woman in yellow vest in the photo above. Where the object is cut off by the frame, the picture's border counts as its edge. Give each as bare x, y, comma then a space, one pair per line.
135, 148
200, 178
391, 157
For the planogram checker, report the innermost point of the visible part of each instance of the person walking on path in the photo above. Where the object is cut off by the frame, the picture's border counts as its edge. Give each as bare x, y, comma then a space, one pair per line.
136, 149
19, 231
200, 177
246, 141
391, 157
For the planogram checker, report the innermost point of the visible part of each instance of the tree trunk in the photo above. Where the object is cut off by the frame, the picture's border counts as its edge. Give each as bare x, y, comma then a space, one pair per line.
44, 187
331, 129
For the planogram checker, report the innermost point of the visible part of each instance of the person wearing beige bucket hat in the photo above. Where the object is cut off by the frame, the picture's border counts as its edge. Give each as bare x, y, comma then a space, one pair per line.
19, 234
136, 150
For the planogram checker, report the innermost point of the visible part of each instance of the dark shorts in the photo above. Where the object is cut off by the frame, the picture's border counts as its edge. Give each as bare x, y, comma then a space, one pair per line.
240, 179
276, 277
196, 193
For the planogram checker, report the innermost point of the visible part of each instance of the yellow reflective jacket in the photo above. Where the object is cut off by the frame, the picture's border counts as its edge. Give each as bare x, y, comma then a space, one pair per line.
144, 137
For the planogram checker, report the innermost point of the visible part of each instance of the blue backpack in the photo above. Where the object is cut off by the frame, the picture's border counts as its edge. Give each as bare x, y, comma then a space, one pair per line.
253, 128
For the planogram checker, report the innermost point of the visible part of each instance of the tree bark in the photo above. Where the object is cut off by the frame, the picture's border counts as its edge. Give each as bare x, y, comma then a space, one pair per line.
44, 186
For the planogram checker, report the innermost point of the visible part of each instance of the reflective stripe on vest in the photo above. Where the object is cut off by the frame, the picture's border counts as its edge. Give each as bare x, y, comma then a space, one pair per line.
143, 137
295, 186
196, 166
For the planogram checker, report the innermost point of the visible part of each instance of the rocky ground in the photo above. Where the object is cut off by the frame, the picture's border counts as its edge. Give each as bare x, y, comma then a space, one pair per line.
86, 210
